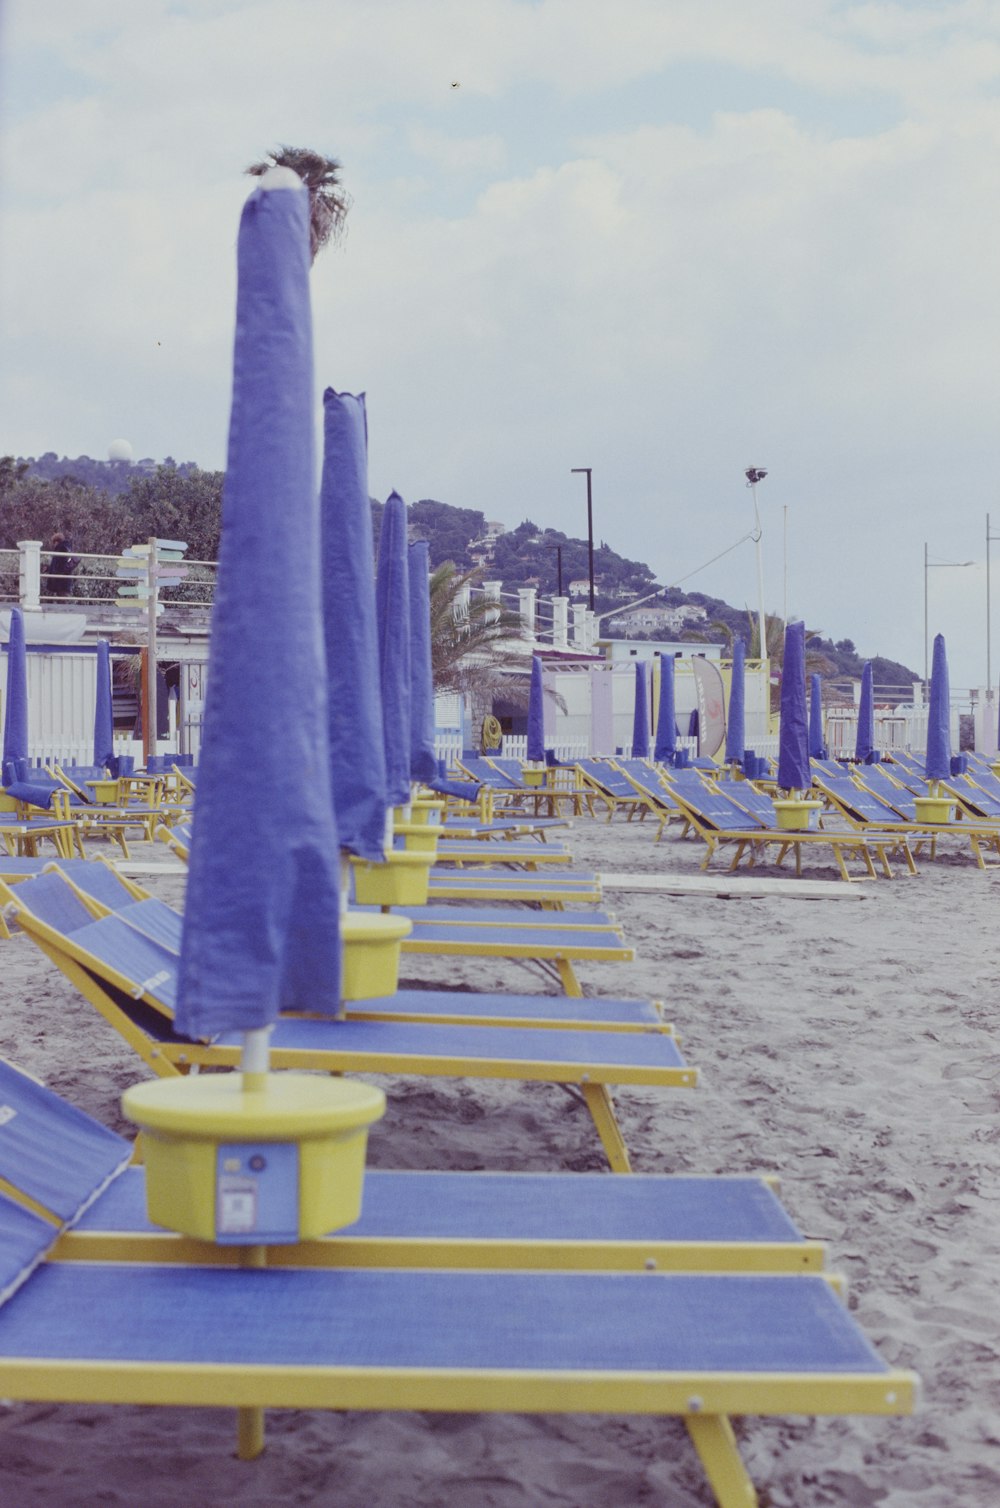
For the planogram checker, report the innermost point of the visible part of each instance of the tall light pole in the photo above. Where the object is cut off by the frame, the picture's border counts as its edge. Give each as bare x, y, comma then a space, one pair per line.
935, 565
590, 528
755, 474
989, 669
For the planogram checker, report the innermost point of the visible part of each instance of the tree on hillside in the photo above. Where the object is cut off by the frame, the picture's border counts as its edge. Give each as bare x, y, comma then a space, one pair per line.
328, 203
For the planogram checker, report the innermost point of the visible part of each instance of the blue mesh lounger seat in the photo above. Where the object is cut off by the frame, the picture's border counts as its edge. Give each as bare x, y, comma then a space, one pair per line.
130, 979
701, 1346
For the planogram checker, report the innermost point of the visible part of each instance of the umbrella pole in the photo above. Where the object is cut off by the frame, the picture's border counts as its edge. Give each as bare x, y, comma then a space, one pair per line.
250, 1421
254, 1062
255, 1058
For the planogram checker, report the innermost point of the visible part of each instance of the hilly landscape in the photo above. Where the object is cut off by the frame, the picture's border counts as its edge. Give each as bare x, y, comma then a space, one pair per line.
104, 505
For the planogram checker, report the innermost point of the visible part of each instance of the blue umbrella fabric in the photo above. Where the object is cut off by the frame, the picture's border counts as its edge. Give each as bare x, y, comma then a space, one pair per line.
15, 716
817, 748
640, 714
864, 746
261, 922
104, 724
794, 773
937, 765
357, 752
536, 713
392, 605
666, 717
736, 721
423, 760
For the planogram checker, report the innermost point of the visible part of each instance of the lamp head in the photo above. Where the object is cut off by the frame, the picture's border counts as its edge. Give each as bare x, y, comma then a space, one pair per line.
755, 474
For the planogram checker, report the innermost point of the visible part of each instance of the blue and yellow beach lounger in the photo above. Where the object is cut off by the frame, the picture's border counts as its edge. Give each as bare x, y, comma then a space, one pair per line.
65, 1166
701, 1346
130, 980
557, 941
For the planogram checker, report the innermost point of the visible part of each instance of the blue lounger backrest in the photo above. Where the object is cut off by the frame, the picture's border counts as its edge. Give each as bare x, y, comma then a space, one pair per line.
862, 803
50, 899
25, 1238
50, 1150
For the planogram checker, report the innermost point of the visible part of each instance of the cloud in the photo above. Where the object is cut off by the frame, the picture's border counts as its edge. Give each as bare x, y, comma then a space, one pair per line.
557, 264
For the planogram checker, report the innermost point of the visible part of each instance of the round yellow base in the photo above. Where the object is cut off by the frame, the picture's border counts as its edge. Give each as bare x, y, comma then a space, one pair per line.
105, 792
533, 776
403, 880
935, 808
796, 816
425, 811
185, 1122
418, 837
371, 954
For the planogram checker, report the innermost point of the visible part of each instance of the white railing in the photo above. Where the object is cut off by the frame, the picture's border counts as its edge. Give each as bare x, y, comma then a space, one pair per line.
448, 745
515, 746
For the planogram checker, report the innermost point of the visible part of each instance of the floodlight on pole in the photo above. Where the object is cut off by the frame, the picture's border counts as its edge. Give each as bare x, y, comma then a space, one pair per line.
755, 474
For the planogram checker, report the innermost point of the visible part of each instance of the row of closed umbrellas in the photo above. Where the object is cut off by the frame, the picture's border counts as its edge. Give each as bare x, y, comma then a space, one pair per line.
800, 731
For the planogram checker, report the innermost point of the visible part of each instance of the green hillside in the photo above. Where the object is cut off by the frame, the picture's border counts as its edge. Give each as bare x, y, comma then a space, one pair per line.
104, 505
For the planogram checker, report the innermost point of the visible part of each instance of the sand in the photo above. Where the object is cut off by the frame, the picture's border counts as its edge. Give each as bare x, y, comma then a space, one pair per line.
849, 1047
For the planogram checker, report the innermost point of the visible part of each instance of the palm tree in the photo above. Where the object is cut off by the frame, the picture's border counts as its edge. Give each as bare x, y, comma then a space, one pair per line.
328, 203
474, 643
774, 633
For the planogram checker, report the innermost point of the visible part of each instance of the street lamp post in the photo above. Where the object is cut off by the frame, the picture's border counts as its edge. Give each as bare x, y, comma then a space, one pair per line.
590, 528
989, 669
755, 474
935, 565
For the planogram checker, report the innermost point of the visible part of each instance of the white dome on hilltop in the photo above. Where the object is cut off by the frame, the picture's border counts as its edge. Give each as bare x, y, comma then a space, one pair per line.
119, 450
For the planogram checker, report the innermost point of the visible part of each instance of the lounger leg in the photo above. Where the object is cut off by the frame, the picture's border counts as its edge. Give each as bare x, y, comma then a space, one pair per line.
712, 1437
602, 1109
567, 974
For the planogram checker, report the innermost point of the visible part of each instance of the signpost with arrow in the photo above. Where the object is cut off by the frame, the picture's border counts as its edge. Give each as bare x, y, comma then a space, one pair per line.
143, 570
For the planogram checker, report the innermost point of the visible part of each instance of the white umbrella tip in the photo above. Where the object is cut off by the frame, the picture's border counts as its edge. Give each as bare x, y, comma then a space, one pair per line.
280, 178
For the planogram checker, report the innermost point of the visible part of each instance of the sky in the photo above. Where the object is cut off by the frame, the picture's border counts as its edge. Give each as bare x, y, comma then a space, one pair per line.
666, 239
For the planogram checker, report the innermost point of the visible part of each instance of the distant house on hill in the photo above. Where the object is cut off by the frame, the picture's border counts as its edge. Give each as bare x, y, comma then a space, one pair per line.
642, 619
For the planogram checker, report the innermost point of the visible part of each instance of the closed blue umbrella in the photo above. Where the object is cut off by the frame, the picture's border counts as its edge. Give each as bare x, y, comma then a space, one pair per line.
817, 748
666, 717
392, 602
423, 760
736, 721
15, 716
937, 765
864, 746
794, 773
536, 713
640, 714
261, 922
357, 753
104, 724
